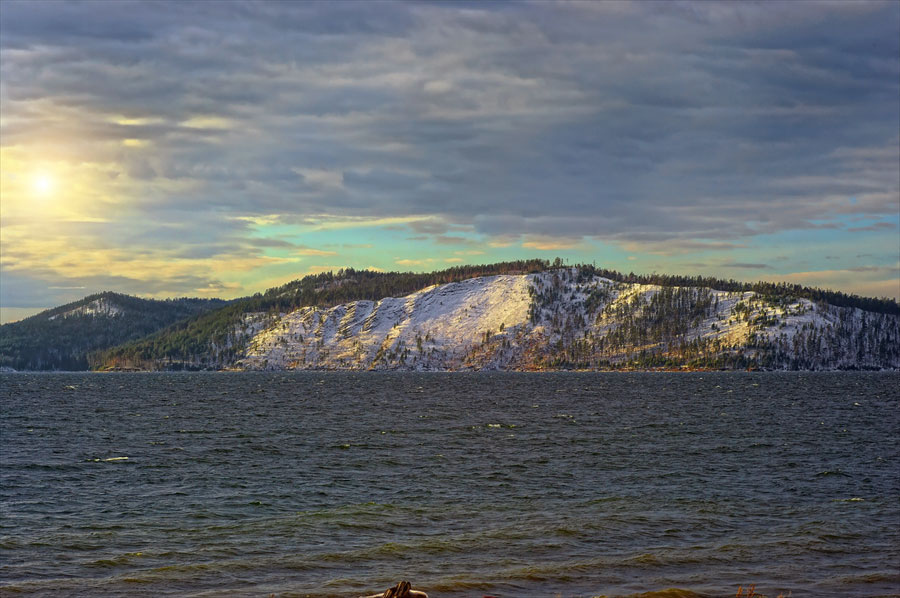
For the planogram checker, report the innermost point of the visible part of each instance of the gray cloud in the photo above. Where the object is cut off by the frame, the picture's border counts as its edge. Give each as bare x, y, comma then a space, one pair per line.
20, 289
745, 265
689, 125
873, 227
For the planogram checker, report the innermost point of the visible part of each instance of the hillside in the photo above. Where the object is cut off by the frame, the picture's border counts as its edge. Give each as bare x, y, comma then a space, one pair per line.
525, 316
61, 338
218, 338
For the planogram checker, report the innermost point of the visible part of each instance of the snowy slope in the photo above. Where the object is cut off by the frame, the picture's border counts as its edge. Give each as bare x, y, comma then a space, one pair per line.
563, 318
98, 307
430, 329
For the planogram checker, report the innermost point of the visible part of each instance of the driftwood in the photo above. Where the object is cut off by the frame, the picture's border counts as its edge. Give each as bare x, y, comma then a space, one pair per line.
401, 590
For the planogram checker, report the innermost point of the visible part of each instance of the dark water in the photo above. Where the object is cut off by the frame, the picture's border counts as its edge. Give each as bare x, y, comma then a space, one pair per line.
314, 484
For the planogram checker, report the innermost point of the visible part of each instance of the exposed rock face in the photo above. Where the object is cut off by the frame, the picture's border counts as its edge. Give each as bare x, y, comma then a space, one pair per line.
566, 319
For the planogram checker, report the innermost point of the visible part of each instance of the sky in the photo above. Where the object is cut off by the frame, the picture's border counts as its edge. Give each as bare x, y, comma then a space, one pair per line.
215, 149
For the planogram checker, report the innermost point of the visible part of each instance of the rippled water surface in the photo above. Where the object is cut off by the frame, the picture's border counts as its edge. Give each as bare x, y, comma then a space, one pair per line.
529, 485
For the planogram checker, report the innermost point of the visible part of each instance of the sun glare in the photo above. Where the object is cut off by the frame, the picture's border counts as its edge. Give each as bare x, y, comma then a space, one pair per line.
42, 184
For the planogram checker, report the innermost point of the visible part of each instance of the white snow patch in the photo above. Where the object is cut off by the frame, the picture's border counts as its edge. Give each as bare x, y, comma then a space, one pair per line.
97, 307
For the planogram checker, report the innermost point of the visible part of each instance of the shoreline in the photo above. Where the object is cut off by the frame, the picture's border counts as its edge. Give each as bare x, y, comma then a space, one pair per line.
660, 370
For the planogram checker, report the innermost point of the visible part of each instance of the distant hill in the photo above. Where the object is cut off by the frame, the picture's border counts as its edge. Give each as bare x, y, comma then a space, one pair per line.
61, 338
525, 315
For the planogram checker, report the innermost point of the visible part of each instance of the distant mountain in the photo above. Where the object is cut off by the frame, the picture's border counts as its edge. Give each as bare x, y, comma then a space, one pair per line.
61, 338
526, 316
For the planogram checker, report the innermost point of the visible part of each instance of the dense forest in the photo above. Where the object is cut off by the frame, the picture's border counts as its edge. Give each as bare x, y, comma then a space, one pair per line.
61, 338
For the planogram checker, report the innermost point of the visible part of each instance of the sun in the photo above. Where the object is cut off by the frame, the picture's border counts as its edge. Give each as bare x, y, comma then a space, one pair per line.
42, 184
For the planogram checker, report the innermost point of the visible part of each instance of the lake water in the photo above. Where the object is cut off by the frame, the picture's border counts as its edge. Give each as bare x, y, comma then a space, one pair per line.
508, 484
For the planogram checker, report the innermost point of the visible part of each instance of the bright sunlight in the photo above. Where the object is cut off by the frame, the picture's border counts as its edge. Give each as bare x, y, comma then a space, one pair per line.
42, 184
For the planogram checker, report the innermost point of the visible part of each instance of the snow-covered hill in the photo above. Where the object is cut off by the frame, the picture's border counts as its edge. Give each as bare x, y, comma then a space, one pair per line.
566, 318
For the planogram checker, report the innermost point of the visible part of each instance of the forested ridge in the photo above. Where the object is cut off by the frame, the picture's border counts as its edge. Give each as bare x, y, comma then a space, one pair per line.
61, 338
643, 325
769, 290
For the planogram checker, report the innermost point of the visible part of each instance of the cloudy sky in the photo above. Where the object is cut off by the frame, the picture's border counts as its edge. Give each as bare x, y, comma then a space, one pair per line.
219, 148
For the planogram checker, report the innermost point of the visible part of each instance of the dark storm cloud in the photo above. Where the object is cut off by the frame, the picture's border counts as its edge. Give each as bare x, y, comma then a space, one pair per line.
693, 124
